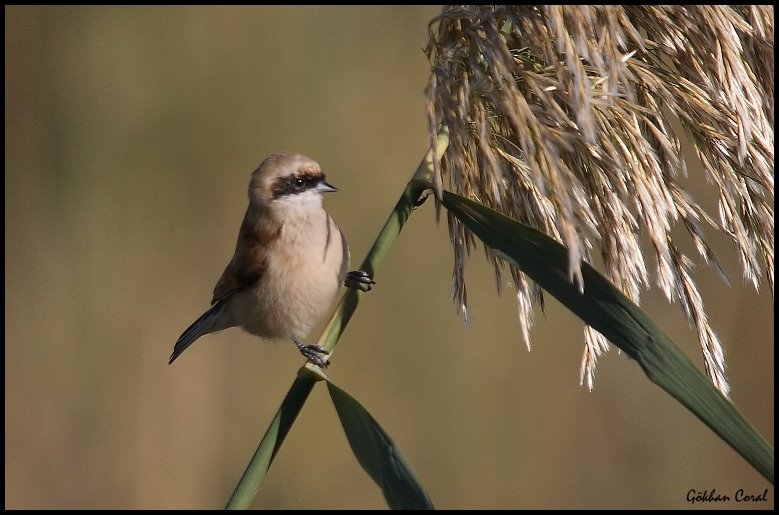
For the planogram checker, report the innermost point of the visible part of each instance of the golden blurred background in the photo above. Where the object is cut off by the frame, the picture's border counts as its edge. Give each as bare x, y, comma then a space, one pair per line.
130, 136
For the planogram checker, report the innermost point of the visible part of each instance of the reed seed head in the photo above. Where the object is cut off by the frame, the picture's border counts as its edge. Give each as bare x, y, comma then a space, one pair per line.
570, 119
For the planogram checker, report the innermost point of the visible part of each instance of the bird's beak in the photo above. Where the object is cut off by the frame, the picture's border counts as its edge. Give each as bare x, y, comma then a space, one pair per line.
324, 187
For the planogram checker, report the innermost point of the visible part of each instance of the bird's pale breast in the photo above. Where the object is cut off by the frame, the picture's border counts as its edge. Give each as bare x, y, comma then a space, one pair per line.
301, 282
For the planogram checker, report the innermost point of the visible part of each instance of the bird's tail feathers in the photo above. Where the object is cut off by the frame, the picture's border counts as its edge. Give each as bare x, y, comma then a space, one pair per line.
211, 321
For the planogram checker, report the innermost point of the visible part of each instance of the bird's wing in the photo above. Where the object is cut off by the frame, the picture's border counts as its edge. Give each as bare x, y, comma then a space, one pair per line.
250, 260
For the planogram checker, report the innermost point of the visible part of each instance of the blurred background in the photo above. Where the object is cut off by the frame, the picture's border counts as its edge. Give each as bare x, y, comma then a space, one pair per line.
130, 136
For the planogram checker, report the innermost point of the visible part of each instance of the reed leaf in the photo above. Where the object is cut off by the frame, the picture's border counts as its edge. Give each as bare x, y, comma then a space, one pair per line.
378, 454
601, 305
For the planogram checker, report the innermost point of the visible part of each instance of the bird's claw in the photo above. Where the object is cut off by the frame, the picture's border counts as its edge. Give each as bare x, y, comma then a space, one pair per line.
314, 353
359, 280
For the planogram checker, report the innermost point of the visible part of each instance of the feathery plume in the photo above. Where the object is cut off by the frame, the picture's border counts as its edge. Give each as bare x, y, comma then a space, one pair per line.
568, 118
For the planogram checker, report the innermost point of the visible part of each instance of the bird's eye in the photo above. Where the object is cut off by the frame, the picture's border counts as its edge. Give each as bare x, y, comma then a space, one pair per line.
298, 183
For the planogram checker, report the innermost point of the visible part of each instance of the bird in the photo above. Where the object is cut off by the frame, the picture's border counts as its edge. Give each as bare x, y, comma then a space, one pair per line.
290, 261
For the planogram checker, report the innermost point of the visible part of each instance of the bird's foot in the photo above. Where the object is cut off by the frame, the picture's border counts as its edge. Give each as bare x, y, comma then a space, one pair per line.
359, 280
314, 353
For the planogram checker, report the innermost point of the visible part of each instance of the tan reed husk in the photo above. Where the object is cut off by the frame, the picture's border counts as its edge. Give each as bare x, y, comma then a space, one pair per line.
567, 118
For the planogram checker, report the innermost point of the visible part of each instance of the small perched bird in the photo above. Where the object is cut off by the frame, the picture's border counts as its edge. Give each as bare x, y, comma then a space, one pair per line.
289, 263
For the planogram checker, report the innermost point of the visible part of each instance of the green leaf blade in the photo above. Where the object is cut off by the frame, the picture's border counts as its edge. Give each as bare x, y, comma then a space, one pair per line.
378, 455
271, 443
602, 306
